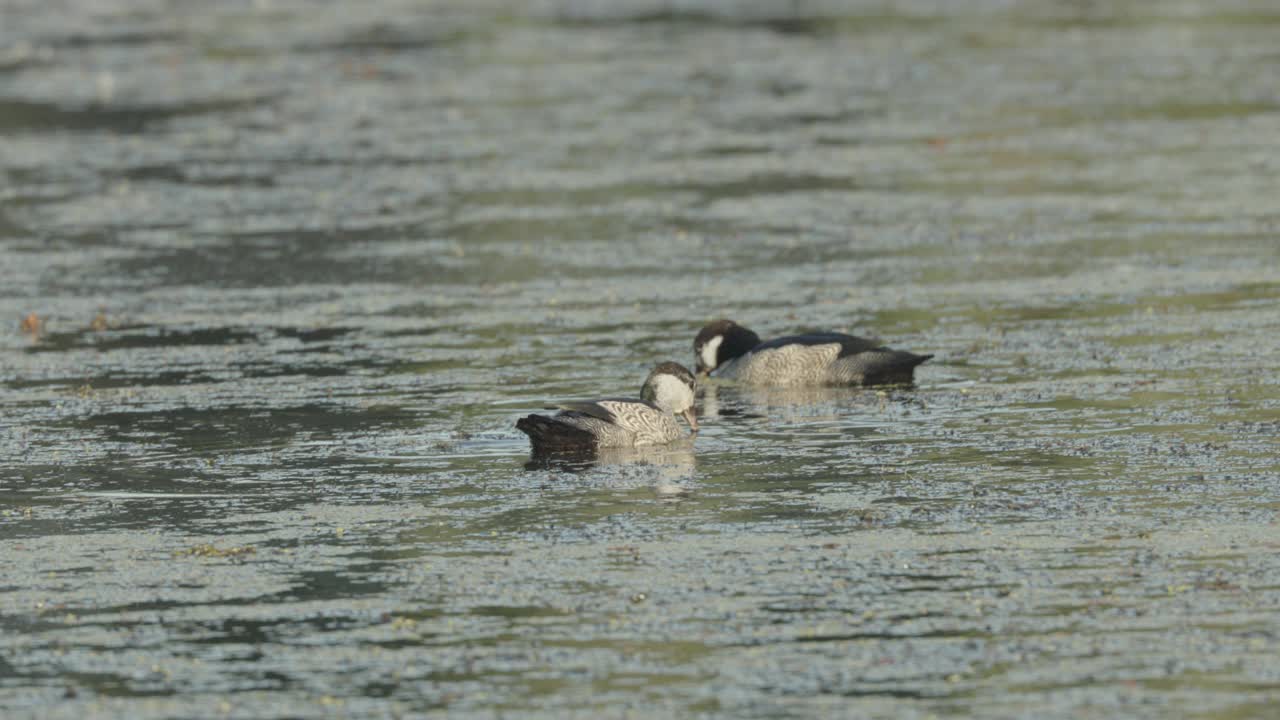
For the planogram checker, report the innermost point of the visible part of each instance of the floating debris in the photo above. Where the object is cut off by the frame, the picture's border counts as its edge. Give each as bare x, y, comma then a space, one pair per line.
32, 324
209, 550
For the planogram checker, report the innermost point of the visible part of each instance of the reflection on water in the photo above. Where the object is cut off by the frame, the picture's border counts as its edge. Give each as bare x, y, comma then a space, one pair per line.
679, 456
721, 399
299, 267
669, 469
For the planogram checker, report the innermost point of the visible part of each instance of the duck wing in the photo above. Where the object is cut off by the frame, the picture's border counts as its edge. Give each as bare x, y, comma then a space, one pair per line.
627, 413
589, 408
849, 344
579, 423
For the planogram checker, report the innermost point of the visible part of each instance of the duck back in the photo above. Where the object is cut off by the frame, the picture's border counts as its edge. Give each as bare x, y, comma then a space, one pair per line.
823, 359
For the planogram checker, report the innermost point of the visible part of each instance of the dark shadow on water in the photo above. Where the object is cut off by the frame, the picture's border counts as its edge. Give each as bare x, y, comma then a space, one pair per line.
286, 258
9, 228
160, 338
186, 175
399, 37
691, 18
140, 336
197, 430
170, 468
517, 611
35, 116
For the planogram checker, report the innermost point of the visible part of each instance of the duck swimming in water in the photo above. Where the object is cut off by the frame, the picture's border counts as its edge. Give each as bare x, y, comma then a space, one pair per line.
735, 352
619, 422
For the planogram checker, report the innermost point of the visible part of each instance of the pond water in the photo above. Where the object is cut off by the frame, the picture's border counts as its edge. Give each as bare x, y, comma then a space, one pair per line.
297, 268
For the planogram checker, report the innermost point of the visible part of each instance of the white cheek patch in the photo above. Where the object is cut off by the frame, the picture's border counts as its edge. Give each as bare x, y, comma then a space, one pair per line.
710, 350
671, 394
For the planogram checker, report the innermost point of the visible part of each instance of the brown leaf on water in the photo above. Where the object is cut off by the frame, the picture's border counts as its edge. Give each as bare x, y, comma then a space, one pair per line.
209, 550
32, 324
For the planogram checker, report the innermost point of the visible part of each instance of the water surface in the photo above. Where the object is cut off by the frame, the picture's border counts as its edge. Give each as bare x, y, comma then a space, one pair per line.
298, 269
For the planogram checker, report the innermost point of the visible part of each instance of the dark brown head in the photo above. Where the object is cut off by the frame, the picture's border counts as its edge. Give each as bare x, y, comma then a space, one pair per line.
719, 342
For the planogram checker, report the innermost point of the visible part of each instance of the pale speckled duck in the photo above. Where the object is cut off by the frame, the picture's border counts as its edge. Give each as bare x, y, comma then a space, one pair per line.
734, 352
620, 422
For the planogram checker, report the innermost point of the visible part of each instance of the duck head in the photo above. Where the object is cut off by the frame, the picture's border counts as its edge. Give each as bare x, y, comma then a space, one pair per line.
719, 342
670, 387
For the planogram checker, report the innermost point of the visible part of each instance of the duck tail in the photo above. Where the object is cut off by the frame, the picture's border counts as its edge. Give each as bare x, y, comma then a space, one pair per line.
548, 432
896, 367
913, 360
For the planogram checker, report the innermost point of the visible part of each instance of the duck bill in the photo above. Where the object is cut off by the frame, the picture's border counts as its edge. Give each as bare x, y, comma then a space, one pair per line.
691, 418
